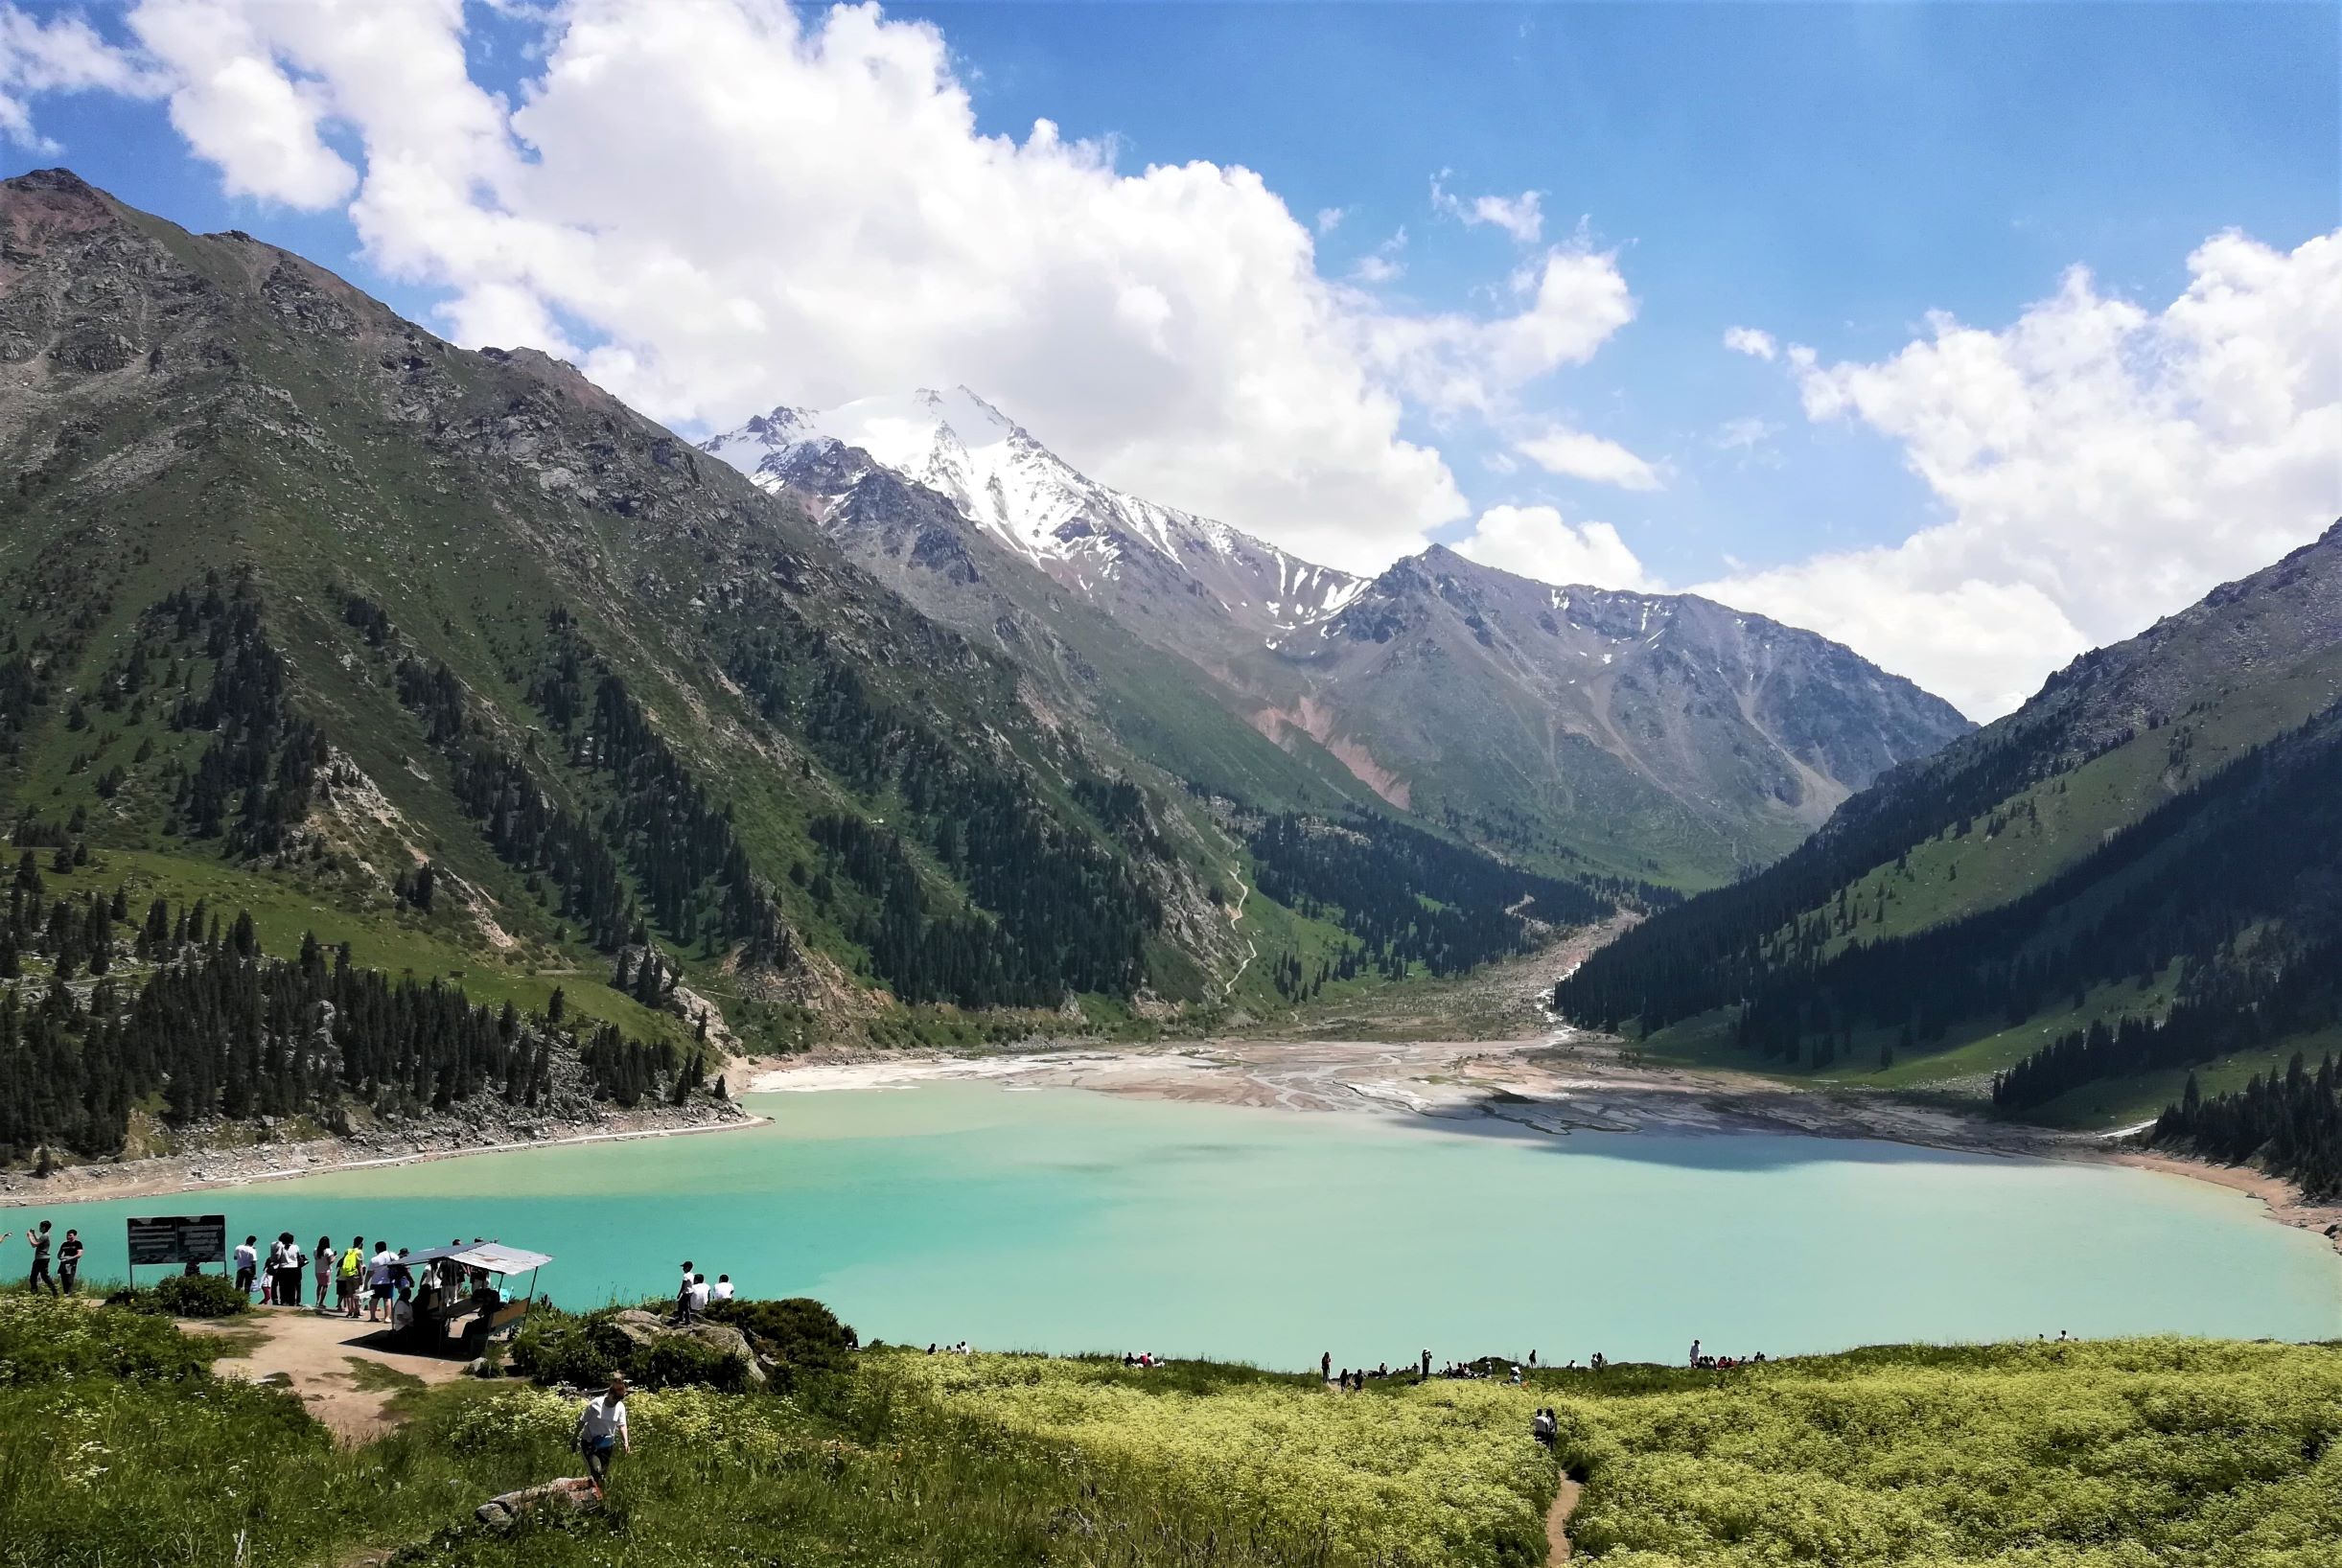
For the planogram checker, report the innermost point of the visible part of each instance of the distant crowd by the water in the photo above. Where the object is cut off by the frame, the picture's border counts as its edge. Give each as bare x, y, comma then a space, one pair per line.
1501, 1369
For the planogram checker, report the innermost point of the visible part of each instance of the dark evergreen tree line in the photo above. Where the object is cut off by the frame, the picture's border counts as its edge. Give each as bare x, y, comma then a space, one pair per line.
2282, 990
252, 785
1408, 897
965, 957
693, 872
180, 1004
527, 828
2252, 854
1716, 948
2290, 1126
1067, 914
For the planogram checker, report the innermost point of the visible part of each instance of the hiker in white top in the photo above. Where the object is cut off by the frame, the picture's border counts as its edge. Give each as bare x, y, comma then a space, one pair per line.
601, 1431
378, 1269
722, 1289
698, 1292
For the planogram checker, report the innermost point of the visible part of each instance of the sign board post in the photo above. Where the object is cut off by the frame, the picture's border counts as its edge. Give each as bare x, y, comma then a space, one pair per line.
178, 1238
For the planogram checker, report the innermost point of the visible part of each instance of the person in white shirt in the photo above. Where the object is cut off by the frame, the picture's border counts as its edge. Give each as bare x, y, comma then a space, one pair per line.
722, 1291
601, 1431
248, 1264
699, 1293
378, 1269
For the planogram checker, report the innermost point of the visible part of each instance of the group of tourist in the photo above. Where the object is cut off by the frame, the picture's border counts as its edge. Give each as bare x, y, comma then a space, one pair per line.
380, 1285
693, 1294
68, 1261
1717, 1363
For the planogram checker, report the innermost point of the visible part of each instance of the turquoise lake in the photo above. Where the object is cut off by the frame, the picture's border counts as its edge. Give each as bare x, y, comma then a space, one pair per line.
1065, 1220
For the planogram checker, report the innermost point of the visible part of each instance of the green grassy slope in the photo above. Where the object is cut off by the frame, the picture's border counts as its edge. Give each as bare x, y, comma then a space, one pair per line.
2136, 838
115, 1447
286, 441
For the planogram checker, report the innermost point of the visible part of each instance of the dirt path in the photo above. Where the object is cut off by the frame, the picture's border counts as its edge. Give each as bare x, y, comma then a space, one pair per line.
1565, 1503
346, 1381
1556, 1520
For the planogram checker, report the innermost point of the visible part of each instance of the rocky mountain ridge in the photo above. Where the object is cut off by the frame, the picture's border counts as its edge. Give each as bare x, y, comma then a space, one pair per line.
1558, 727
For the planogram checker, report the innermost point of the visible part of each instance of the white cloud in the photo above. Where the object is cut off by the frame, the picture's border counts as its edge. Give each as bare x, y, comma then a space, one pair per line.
60, 55
2100, 464
1521, 217
716, 207
1383, 263
1571, 301
1329, 218
1753, 341
1577, 455
1534, 542
1746, 434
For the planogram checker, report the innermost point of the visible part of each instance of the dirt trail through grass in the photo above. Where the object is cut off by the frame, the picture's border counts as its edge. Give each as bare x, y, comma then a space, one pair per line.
1556, 1520
346, 1381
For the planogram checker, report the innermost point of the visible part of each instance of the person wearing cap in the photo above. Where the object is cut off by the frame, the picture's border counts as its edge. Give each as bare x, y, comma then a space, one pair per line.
601, 1431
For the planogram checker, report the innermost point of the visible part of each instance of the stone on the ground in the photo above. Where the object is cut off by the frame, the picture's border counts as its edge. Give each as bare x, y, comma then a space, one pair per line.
573, 1495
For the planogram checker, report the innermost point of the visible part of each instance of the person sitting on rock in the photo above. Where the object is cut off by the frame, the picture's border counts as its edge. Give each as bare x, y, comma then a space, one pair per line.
601, 1431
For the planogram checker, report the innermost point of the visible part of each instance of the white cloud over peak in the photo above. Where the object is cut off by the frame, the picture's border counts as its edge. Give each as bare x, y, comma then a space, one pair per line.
2099, 465
718, 206
1753, 341
1523, 217
1329, 218
1577, 455
1535, 542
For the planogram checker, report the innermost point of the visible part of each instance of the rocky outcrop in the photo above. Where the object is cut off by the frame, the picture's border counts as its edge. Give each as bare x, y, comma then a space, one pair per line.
643, 1331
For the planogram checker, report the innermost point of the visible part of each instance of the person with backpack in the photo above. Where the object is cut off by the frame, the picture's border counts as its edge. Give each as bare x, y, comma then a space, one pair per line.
345, 1276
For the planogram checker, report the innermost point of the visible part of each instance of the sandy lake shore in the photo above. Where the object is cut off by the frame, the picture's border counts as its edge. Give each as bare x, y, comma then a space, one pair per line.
246, 1164
1556, 1083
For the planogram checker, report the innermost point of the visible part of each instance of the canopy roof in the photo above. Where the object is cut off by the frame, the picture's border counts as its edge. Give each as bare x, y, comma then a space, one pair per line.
493, 1255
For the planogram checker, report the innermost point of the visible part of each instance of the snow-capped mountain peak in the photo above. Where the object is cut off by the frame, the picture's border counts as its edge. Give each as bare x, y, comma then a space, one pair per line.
1083, 533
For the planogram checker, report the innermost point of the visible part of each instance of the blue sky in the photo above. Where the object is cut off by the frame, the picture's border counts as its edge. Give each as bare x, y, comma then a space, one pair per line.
1828, 173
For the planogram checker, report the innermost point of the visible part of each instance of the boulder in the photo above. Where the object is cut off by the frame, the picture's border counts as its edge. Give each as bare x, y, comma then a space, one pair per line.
573, 1495
644, 1329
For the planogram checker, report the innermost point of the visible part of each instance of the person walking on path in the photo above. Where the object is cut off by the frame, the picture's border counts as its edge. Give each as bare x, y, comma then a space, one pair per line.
69, 1261
601, 1431
38, 1280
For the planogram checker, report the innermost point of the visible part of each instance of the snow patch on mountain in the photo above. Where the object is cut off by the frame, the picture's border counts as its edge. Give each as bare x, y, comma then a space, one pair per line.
1030, 500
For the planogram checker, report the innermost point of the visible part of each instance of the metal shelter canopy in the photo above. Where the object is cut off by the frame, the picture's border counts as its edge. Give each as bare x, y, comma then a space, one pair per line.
493, 1255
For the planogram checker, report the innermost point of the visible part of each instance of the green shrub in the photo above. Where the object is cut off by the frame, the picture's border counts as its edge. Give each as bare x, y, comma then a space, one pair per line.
556, 1348
583, 1351
45, 1340
676, 1362
800, 1336
799, 1328
199, 1295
